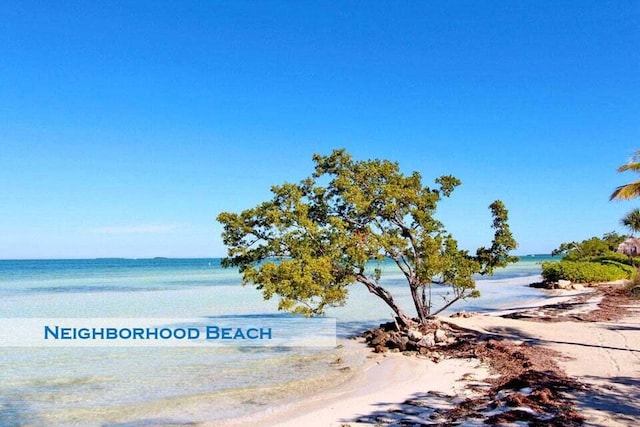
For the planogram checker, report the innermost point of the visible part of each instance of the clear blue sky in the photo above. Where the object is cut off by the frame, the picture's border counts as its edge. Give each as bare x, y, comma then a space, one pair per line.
126, 127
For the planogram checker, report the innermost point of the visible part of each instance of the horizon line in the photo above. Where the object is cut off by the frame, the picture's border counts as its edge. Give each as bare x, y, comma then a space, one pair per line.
168, 258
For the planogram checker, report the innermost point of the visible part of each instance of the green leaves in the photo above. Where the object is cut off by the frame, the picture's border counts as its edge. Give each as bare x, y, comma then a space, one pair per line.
585, 271
631, 190
305, 285
314, 238
503, 242
589, 249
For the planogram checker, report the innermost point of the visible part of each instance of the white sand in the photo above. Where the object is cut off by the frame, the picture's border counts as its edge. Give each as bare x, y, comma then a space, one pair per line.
384, 386
381, 385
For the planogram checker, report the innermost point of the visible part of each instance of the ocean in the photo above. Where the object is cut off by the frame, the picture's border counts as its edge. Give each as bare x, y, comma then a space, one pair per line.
133, 386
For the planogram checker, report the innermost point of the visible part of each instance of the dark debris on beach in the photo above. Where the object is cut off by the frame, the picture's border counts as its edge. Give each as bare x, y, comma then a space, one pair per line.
611, 308
528, 387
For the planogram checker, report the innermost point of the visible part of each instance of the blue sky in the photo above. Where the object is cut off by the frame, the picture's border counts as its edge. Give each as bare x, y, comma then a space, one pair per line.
126, 127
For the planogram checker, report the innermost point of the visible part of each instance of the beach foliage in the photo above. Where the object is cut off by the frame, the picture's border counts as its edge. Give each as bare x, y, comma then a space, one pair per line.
589, 249
592, 260
585, 271
315, 238
633, 287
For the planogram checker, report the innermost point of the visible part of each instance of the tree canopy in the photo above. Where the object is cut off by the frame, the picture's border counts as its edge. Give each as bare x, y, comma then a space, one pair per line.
315, 238
589, 249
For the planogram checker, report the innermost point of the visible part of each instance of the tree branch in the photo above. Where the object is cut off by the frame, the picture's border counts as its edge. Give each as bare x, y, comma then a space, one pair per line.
384, 295
449, 304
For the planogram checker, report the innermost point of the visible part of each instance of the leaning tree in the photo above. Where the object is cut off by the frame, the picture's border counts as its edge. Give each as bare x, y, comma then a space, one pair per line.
315, 238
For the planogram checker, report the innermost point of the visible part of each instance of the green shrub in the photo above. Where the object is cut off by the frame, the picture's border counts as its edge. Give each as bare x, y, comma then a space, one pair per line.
585, 271
633, 287
614, 256
626, 266
595, 247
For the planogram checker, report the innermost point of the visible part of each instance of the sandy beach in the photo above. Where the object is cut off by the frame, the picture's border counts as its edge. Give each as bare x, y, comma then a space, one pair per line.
378, 389
604, 356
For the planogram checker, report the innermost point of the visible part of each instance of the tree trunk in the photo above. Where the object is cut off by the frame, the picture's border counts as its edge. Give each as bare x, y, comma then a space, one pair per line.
386, 296
419, 304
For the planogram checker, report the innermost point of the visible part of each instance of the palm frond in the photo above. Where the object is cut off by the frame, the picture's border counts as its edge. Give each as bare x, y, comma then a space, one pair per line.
632, 165
632, 220
626, 192
635, 167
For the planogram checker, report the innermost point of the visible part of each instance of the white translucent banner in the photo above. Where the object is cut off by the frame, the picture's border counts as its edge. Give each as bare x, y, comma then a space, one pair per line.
168, 332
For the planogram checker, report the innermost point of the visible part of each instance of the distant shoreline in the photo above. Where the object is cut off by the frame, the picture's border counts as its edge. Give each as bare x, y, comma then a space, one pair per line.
151, 258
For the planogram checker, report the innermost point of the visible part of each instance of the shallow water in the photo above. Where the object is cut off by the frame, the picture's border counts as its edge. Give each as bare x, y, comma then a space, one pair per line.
138, 386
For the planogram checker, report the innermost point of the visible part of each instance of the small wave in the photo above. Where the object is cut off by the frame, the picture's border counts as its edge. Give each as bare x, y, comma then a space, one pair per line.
55, 383
90, 289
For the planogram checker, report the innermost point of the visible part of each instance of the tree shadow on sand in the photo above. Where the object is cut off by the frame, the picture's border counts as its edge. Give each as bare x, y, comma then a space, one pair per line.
419, 409
518, 334
618, 327
618, 397
530, 389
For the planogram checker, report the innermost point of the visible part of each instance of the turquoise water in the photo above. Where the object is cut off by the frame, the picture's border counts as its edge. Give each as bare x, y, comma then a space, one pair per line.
138, 386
